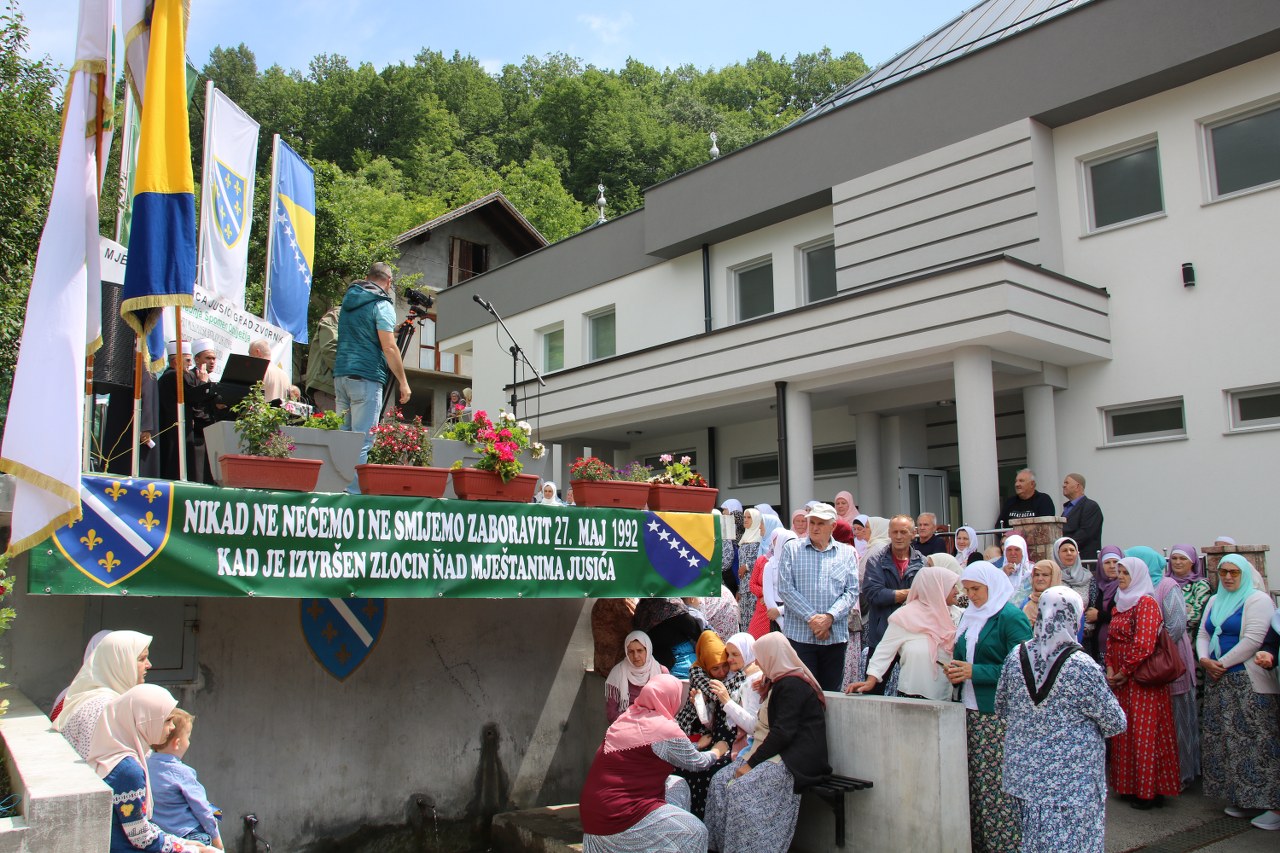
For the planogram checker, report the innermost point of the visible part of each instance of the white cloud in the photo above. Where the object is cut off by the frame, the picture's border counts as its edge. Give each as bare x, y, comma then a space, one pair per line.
608, 30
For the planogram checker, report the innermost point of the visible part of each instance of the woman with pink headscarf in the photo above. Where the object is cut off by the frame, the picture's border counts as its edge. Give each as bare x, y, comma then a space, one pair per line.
630, 800
845, 506
921, 636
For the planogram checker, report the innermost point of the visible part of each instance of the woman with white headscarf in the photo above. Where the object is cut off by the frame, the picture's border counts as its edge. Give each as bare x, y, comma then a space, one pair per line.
1144, 758
1017, 564
119, 662
748, 551
129, 724
968, 548
991, 627
741, 697
550, 495
629, 676
1058, 712
1240, 736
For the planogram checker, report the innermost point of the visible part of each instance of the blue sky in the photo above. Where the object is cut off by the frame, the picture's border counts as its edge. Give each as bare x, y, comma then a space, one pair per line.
660, 33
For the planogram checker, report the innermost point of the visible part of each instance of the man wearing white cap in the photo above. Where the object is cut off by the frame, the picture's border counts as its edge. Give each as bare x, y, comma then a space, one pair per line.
818, 580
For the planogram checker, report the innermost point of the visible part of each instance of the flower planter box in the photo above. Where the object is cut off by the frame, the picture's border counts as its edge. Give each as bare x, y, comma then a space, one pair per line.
445, 451
409, 480
472, 485
266, 472
337, 450
623, 494
663, 498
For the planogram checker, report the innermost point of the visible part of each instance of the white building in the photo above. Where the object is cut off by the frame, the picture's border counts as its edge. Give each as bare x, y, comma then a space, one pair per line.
1045, 235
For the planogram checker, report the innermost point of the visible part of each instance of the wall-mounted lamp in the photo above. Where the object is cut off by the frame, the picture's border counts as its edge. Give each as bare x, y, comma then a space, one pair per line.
1188, 275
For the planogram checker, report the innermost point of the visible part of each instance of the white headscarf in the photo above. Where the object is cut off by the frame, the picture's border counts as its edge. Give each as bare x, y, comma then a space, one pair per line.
1139, 584
999, 591
1056, 628
963, 554
623, 674
1020, 576
753, 520
746, 644
113, 669
83, 673
129, 725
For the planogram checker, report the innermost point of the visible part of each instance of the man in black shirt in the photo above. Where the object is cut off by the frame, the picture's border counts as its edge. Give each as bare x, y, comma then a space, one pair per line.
1025, 502
926, 542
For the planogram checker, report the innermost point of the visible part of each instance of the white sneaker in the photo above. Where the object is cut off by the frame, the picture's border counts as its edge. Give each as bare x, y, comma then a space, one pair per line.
1267, 820
1235, 811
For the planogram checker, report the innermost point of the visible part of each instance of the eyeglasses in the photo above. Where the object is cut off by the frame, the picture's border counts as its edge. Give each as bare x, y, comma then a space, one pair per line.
1229, 573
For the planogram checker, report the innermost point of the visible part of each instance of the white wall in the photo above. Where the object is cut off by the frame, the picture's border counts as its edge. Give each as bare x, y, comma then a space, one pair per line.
1169, 340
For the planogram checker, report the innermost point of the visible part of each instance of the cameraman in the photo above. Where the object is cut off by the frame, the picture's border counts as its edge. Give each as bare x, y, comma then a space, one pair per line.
367, 355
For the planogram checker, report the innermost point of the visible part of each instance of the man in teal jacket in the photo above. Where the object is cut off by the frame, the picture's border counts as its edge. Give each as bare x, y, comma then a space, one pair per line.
367, 355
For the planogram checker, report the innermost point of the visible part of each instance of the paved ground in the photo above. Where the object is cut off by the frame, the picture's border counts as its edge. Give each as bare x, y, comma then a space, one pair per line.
1191, 822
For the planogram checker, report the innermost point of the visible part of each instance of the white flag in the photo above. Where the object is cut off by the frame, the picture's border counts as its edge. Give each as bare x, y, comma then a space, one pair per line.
226, 209
45, 427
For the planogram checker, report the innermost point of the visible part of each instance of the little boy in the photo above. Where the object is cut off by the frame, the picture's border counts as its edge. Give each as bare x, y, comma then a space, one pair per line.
180, 804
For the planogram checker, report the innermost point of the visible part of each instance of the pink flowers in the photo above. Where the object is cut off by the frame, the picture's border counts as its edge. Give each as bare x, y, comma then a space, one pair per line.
666, 458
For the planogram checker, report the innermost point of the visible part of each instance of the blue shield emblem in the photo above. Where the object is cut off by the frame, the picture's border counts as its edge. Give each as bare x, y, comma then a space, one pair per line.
679, 546
125, 525
229, 203
342, 631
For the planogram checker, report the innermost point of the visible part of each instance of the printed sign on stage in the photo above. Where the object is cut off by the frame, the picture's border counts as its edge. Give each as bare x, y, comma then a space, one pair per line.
156, 537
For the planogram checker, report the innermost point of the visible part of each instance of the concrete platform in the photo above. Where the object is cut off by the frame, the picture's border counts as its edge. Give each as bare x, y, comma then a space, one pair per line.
553, 829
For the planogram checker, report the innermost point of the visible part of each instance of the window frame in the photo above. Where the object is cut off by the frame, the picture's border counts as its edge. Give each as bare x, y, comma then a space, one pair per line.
1208, 160
457, 273
434, 346
544, 335
1233, 397
591, 317
657, 466
741, 481
1097, 158
805, 250
1109, 412
735, 288
835, 472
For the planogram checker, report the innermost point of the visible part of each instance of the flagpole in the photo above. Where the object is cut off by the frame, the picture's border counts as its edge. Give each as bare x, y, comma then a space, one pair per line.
208, 202
124, 197
99, 170
181, 378
138, 367
271, 215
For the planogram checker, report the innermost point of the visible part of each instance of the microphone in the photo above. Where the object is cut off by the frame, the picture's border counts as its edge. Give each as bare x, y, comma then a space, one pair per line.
482, 303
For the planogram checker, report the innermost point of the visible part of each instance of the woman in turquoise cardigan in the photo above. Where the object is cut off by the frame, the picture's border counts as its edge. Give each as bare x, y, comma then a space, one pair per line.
991, 627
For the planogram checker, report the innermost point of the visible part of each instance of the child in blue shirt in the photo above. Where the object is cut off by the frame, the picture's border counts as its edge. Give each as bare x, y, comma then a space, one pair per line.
180, 805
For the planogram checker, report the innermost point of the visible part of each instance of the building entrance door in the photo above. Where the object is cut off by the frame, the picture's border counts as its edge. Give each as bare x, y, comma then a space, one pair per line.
925, 490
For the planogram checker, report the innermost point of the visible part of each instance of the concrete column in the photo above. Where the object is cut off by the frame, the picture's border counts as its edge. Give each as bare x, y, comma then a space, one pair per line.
869, 495
890, 462
799, 445
976, 434
1041, 427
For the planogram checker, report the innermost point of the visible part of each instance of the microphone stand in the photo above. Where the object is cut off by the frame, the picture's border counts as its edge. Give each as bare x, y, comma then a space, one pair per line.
517, 353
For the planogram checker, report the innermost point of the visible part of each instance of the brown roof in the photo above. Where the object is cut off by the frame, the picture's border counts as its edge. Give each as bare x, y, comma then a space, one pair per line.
502, 216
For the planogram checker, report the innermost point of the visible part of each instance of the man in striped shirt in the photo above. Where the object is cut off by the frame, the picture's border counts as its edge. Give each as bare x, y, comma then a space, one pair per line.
818, 581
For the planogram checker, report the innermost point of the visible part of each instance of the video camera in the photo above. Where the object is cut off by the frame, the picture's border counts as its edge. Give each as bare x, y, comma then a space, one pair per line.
419, 302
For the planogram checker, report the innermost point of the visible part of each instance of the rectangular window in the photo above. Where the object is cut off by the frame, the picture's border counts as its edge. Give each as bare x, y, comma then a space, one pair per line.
835, 459
820, 272
429, 355
1161, 419
1244, 151
466, 259
755, 470
754, 290
553, 349
1252, 408
602, 334
1124, 187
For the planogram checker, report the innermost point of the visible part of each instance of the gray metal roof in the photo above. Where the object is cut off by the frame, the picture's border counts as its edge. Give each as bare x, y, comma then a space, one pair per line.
979, 27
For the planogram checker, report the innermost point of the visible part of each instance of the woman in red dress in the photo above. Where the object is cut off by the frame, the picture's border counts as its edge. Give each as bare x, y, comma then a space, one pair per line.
1144, 758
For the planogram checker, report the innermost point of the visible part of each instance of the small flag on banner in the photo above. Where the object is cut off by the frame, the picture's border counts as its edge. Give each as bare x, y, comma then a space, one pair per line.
292, 241
44, 432
230, 155
162, 238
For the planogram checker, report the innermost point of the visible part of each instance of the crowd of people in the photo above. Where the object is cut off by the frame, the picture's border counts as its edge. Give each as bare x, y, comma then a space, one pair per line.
134, 736
1132, 674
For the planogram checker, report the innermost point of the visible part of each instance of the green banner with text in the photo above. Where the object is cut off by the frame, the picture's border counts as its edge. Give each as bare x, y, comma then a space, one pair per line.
156, 537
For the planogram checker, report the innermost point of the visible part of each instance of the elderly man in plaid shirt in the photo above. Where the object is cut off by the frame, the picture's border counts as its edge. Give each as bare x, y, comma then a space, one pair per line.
818, 581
